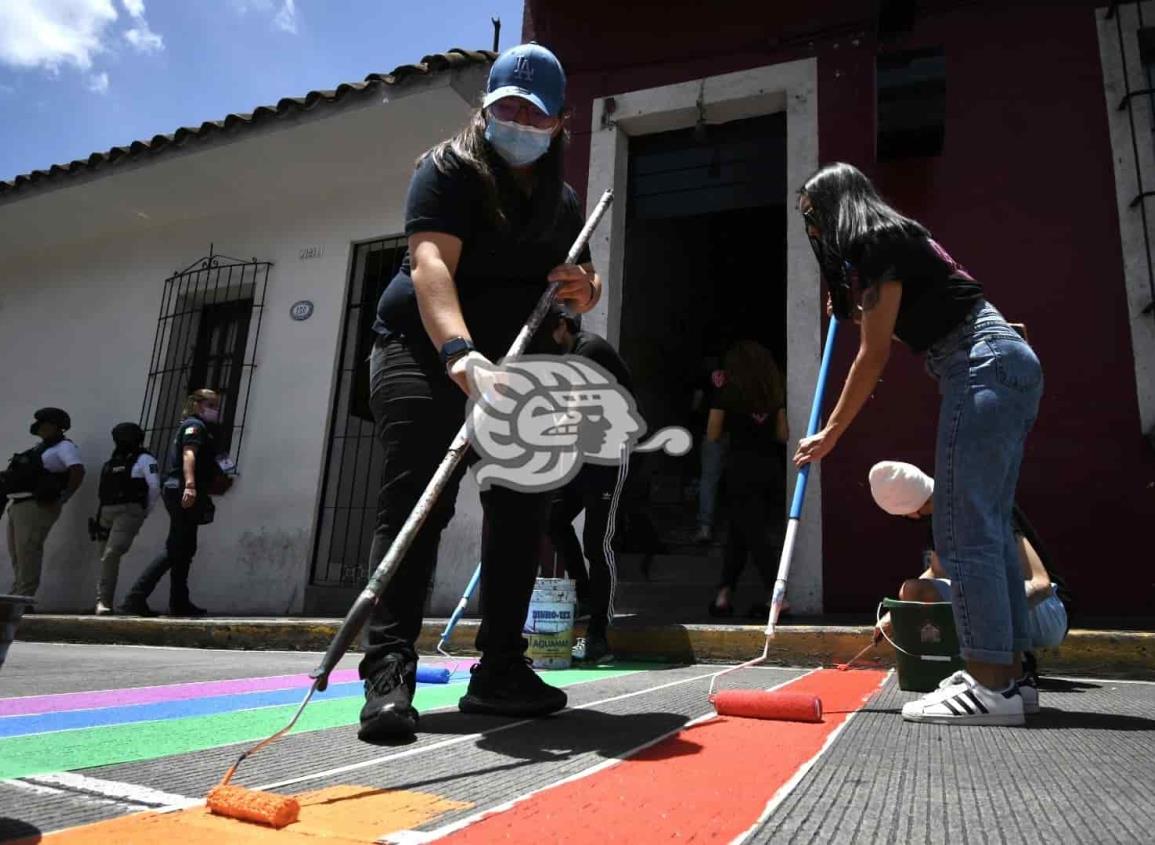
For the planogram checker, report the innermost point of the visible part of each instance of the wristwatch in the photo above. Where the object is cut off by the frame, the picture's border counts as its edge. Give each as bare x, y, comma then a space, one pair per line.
454, 348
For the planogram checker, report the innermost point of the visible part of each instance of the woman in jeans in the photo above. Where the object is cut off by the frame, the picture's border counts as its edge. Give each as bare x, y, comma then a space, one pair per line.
489, 220
990, 382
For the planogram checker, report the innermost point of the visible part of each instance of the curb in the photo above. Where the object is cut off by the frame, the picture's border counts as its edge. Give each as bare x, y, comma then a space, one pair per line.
1100, 654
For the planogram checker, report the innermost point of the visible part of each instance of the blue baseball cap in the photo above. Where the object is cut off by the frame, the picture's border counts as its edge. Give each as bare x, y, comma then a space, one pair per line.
531, 72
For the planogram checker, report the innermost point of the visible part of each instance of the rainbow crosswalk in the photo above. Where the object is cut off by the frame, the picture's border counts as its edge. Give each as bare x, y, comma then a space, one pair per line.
42, 734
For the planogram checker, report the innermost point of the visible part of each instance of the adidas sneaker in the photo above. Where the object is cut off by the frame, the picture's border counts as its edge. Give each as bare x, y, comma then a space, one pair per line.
961, 700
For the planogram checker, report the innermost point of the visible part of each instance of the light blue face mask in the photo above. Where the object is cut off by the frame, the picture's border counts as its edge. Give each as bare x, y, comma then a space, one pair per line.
519, 145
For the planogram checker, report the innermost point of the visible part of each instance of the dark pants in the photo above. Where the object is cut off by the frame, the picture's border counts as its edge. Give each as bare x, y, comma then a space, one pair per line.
418, 410
179, 549
596, 491
754, 494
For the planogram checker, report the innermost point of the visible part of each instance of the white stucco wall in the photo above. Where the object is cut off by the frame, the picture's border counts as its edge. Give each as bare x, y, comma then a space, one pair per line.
82, 270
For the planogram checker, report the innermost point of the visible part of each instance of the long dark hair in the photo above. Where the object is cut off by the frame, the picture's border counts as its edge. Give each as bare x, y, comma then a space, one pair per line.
851, 214
751, 368
501, 192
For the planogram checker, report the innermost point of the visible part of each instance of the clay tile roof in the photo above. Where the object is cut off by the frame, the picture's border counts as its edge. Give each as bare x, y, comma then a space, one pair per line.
158, 144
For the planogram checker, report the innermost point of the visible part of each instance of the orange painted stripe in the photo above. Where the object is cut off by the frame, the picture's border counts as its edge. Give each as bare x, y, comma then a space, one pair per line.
337, 815
710, 782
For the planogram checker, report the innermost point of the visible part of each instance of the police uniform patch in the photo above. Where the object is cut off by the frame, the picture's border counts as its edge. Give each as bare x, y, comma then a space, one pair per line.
192, 429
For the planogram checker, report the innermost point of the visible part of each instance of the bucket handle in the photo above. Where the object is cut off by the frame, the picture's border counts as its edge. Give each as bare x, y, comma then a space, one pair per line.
941, 658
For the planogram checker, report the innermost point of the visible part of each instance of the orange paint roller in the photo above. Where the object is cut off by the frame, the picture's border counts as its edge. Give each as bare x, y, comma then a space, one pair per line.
759, 704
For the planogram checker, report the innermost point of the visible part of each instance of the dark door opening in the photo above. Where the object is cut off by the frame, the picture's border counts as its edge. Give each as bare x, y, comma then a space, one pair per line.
705, 264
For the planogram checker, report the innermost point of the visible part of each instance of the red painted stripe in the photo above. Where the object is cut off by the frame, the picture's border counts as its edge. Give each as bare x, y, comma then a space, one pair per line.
709, 782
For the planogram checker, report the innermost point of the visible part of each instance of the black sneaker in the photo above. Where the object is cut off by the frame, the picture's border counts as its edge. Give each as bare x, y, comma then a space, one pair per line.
507, 686
136, 607
388, 713
188, 610
592, 649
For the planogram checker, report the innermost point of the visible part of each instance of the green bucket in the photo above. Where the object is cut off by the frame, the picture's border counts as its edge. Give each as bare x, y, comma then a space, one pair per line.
925, 642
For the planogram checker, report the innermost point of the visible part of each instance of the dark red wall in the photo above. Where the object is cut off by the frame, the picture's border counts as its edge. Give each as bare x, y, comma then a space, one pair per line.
1023, 195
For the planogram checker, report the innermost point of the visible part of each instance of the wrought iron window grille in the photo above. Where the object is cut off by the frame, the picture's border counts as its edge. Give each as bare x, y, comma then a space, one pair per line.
206, 337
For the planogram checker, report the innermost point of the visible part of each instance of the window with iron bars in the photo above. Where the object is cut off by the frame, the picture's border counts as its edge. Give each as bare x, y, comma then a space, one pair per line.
1127, 51
353, 460
206, 337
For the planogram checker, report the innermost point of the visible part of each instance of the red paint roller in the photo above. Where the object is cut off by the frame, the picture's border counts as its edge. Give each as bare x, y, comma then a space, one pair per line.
759, 704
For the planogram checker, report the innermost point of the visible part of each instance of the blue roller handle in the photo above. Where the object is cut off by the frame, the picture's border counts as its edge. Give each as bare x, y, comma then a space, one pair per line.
815, 418
433, 675
460, 609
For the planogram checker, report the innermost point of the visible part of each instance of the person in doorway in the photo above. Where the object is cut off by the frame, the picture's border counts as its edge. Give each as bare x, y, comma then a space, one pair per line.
38, 483
902, 489
991, 383
129, 488
489, 220
597, 490
750, 407
191, 474
713, 452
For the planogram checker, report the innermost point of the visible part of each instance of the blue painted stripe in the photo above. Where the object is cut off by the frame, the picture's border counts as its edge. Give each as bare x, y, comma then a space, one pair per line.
68, 720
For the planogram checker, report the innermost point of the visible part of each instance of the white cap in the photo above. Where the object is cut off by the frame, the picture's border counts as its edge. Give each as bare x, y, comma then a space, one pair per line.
900, 488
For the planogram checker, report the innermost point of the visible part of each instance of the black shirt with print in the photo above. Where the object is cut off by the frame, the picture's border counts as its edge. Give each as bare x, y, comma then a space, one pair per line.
501, 273
937, 292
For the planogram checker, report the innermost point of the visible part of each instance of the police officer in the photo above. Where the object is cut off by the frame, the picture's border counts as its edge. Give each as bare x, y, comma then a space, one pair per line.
190, 471
596, 489
38, 482
129, 487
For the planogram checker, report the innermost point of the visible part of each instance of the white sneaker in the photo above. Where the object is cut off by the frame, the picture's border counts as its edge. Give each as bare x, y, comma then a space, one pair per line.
1029, 690
103, 609
965, 701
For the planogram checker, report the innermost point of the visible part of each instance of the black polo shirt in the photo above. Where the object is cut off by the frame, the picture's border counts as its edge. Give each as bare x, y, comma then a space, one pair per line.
500, 275
194, 434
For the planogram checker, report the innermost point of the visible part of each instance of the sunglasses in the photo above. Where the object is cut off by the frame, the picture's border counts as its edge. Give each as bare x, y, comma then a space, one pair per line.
507, 109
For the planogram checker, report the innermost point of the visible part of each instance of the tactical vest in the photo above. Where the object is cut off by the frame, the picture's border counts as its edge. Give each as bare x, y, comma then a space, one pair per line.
117, 486
26, 474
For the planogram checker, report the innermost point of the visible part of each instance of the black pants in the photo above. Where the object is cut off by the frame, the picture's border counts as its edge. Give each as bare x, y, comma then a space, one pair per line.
754, 494
418, 410
596, 490
179, 549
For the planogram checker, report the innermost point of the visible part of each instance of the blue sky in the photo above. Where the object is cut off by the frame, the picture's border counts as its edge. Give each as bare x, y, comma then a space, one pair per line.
78, 76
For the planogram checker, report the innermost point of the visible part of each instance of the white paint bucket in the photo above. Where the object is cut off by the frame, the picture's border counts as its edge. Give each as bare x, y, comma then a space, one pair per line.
549, 623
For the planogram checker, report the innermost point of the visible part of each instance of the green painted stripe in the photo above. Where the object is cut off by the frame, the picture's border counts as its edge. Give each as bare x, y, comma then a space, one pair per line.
89, 747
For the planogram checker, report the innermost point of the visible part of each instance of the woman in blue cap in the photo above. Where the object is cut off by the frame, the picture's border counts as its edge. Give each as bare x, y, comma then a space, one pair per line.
489, 220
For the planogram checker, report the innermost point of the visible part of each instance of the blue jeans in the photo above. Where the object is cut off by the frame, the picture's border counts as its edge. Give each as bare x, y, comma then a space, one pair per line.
991, 383
713, 462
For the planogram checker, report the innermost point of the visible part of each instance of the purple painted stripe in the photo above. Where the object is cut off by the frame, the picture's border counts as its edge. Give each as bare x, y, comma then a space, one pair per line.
36, 704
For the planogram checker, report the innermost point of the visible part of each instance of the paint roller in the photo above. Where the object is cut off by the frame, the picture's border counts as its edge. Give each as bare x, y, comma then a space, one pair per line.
280, 810
762, 704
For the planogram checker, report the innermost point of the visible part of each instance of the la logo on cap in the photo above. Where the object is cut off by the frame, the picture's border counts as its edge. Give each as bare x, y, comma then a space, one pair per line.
522, 69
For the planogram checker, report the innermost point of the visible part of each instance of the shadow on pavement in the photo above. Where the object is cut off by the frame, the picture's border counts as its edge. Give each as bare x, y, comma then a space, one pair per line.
556, 739
16, 832
1051, 719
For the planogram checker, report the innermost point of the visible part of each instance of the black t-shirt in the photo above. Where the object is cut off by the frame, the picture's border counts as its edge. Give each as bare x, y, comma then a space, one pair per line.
937, 293
749, 431
500, 275
193, 433
598, 350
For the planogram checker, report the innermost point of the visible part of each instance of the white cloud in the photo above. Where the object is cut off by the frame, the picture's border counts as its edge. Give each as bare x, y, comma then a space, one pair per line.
143, 39
134, 7
286, 18
97, 82
51, 33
